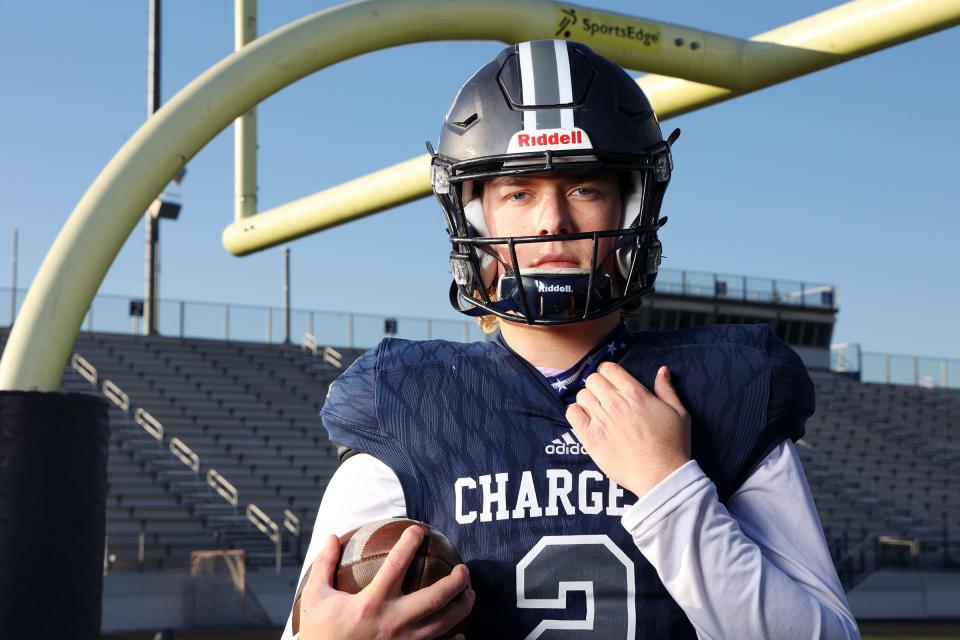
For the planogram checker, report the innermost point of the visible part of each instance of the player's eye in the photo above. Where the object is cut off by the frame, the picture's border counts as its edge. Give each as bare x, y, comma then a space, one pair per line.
586, 192
518, 196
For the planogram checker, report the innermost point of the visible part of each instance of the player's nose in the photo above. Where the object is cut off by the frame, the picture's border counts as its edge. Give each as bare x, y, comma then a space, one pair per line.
554, 215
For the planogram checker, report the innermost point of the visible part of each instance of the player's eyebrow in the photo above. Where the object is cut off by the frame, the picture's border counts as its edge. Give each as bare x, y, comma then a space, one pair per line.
508, 181
572, 177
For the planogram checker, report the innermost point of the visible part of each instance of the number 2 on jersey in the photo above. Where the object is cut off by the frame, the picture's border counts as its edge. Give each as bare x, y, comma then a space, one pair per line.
558, 565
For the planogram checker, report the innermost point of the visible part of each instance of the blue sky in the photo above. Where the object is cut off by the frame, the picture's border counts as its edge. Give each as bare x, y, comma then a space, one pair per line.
847, 176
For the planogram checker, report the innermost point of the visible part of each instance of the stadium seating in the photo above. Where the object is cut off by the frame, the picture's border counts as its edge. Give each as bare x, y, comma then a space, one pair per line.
249, 411
881, 459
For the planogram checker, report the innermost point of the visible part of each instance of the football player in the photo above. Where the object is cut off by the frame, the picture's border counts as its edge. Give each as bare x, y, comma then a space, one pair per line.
598, 483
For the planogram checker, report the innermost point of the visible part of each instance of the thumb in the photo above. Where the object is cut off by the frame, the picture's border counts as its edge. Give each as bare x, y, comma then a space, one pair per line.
663, 388
321, 572
325, 565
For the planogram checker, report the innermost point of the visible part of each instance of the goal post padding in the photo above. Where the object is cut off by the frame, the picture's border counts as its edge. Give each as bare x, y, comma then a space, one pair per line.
53, 488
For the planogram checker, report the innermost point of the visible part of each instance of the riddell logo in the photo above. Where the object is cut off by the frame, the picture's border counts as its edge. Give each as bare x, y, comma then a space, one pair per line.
543, 139
553, 139
553, 288
567, 445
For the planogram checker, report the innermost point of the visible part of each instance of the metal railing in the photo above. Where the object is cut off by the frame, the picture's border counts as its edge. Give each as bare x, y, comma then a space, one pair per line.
149, 424
330, 355
291, 522
110, 313
116, 395
310, 343
730, 287
185, 454
223, 487
263, 522
364, 330
86, 370
892, 368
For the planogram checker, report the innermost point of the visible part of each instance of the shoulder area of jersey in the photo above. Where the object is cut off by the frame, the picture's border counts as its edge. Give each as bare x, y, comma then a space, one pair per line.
399, 352
749, 336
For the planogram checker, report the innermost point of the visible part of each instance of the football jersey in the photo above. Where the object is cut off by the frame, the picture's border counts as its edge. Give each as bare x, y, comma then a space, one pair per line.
478, 439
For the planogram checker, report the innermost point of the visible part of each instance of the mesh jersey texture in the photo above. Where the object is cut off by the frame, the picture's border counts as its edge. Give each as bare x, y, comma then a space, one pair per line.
479, 442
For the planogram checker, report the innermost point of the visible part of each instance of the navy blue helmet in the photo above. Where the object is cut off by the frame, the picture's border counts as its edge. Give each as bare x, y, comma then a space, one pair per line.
541, 107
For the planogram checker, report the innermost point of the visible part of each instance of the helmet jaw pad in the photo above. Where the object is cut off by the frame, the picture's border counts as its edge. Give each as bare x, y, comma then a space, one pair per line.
632, 214
473, 212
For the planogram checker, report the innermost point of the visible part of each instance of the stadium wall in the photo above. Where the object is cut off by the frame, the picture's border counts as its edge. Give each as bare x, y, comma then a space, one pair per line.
157, 600
907, 595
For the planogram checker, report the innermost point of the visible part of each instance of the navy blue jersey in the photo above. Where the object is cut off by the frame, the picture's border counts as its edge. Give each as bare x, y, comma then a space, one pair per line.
480, 444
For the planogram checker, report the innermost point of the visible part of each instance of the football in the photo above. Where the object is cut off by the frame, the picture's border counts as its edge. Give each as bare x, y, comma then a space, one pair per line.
363, 551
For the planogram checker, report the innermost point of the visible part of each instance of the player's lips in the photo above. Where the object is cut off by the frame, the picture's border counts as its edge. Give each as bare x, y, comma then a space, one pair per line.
557, 261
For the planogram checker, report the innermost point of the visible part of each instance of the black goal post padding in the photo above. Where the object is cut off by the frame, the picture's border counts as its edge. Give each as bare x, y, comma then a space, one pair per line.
53, 491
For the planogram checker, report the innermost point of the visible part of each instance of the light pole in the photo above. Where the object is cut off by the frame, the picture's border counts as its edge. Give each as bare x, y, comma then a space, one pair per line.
152, 262
163, 206
286, 295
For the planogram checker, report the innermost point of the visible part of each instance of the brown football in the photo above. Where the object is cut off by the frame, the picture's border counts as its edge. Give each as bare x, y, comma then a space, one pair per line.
363, 550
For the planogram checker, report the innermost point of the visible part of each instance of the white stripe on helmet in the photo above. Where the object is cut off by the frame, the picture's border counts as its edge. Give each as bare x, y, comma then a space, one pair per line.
527, 85
565, 81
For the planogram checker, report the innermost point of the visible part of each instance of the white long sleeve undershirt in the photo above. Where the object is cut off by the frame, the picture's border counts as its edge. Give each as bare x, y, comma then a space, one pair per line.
757, 568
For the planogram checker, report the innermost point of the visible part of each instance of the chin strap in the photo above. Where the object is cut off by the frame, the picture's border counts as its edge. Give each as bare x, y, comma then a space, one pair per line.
501, 306
563, 294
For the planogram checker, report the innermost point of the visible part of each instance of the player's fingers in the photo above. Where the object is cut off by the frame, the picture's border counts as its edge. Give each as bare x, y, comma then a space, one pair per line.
621, 379
447, 618
319, 575
665, 391
589, 402
390, 576
429, 600
600, 386
577, 418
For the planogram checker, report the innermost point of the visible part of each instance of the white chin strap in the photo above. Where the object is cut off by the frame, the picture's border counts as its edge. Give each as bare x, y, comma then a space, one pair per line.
473, 211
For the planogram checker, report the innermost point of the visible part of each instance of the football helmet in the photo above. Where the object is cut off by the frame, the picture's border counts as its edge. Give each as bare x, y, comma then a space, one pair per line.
539, 107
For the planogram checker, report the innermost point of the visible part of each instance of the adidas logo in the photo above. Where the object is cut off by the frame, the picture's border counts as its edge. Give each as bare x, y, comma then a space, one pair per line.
567, 444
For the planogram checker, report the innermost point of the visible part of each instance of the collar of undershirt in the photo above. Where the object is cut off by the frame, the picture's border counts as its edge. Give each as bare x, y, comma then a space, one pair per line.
568, 382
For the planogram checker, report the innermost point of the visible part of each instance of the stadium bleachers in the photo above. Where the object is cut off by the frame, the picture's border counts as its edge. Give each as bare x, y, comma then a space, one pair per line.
880, 459
247, 410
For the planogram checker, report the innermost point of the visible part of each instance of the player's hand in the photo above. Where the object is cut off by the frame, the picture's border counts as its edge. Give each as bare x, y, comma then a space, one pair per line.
380, 610
636, 437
